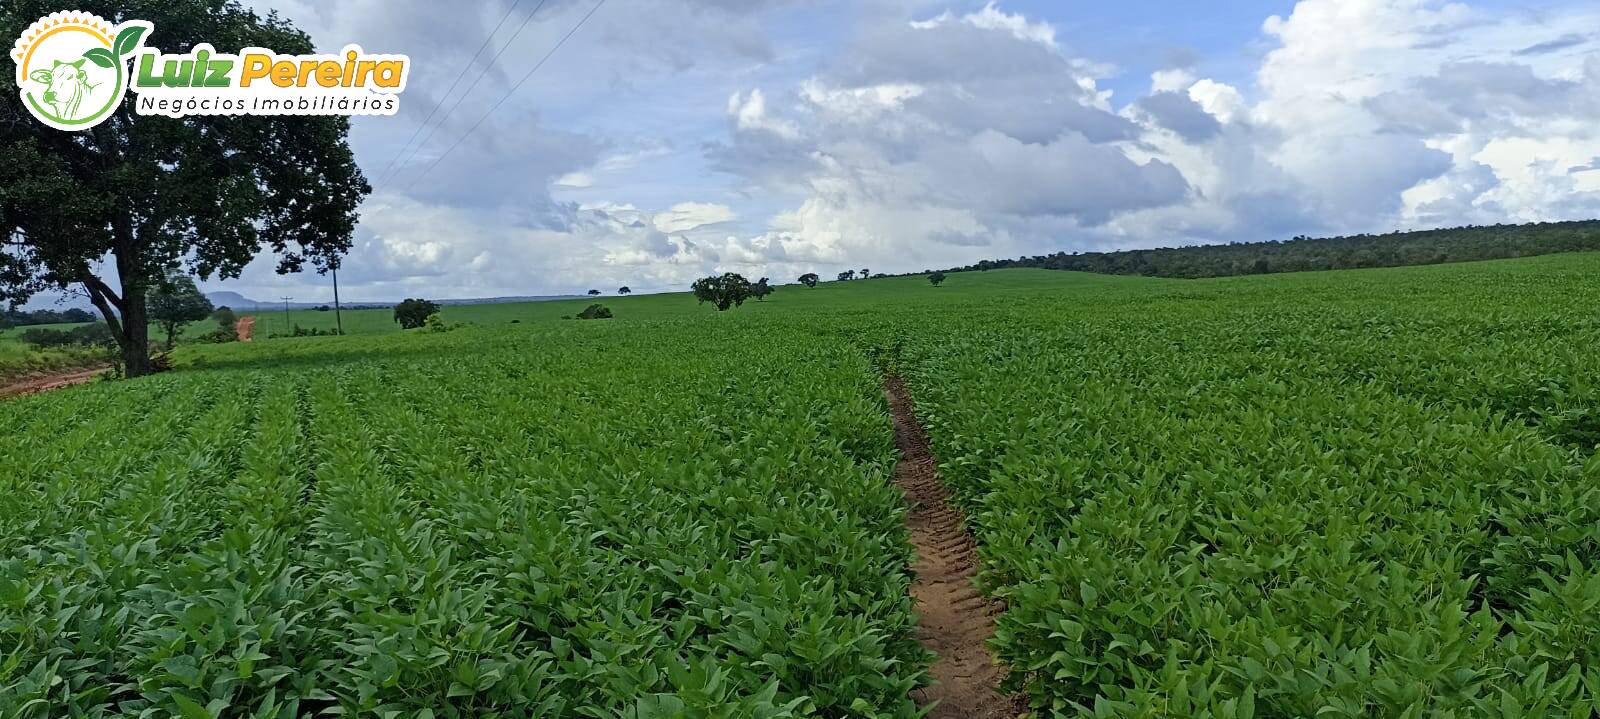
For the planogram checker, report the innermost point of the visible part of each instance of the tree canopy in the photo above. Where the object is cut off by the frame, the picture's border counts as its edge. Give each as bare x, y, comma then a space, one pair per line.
110, 211
726, 291
176, 302
414, 313
810, 279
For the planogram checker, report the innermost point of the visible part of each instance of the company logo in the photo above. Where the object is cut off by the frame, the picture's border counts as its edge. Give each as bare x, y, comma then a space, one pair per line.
74, 68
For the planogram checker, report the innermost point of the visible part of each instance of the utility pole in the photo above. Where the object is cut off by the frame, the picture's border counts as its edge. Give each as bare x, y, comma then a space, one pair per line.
286, 314
337, 318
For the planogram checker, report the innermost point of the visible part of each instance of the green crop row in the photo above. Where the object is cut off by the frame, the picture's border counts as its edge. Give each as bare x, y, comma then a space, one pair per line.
1329, 495
580, 522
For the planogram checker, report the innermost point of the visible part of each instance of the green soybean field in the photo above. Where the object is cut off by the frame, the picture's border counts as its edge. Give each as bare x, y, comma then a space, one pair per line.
1366, 493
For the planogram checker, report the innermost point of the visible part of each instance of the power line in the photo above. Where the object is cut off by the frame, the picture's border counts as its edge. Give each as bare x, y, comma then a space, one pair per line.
508, 95
481, 74
453, 86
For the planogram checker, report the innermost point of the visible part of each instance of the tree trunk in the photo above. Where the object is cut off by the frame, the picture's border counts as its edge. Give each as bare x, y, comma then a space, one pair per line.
135, 336
131, 273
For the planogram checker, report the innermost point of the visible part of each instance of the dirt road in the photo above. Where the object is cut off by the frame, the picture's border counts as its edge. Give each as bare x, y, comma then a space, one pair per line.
45, 383
953, 620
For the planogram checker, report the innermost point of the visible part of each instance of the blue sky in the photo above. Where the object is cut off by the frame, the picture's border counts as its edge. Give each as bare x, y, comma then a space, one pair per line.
1221, 39
674, 138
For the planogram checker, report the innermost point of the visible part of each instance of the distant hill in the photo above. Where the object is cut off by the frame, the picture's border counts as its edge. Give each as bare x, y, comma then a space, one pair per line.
232, 299
1303, 254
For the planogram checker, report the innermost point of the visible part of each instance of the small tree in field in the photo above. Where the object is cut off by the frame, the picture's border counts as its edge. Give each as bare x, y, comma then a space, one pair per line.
227, 325
176, 302
865, 273
847, 275
624, 290
761, 289
729, 290
412, 314
810, 279
594, 293
435, 324
595, 312
936, 278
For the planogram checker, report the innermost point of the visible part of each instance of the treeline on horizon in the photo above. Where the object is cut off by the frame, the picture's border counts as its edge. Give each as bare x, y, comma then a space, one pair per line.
19, 318
1305, 254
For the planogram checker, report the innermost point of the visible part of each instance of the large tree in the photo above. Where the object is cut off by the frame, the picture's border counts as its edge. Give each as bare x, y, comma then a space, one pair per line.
414, 313
728, 290
110, 211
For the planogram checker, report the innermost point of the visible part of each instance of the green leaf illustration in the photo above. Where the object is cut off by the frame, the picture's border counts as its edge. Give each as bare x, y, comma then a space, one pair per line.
128, 39
101, 56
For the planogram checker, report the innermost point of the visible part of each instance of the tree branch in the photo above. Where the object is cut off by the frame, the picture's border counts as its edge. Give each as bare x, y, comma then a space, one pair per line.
102, 303
96, 286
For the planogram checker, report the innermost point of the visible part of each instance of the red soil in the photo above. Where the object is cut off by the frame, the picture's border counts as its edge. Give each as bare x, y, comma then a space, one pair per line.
954, 621
45, 383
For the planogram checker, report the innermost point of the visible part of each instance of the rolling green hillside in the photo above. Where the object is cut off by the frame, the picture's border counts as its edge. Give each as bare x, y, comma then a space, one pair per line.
828, 296
1351, 494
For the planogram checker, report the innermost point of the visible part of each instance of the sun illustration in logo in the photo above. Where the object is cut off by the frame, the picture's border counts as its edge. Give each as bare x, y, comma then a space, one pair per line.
72, 67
